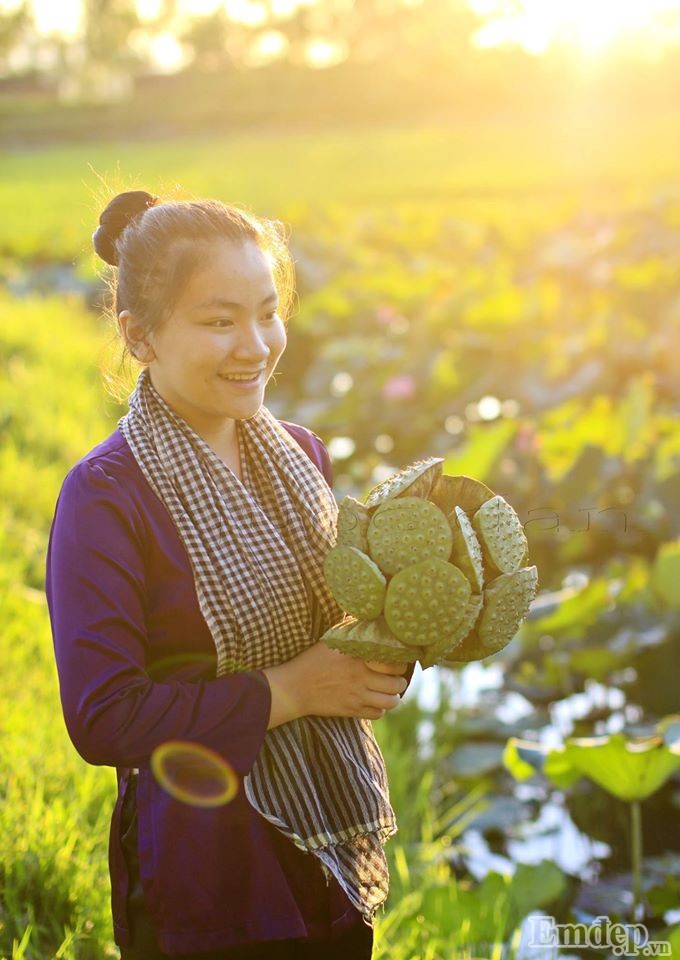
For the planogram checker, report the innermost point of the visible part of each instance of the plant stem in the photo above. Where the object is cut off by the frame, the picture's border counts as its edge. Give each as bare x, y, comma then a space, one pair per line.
636, 854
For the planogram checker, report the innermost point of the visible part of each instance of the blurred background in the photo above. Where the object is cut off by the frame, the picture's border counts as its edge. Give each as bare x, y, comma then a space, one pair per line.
483, 201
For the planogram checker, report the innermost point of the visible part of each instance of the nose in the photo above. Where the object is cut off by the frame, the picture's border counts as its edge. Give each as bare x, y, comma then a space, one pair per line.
251, 344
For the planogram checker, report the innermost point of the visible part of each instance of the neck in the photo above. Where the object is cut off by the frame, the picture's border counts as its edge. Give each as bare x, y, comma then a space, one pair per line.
225, 445
223, 438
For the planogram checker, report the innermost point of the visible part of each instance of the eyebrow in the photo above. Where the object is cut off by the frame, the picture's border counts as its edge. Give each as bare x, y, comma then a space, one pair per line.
222, 304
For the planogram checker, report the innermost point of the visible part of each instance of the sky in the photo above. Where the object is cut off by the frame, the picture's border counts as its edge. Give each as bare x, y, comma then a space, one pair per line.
592, 27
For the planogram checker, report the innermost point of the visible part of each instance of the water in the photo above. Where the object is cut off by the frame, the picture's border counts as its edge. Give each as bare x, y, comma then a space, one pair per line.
553, 834
465, 689
465, 686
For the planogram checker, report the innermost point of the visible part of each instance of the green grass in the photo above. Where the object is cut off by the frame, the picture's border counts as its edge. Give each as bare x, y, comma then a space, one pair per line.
507, 169
54, 808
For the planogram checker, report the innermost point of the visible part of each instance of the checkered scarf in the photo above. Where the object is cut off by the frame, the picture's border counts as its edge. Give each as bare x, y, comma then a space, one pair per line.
256, 549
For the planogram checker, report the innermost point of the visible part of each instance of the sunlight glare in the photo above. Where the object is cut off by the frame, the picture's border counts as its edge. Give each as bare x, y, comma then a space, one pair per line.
250, 13
199, 8
321, 52
283, 8
149, 9
268, 46
63, 18
167, 52
536, 25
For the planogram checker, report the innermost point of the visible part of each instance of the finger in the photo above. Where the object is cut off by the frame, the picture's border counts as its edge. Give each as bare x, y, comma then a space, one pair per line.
378, 666
387, 684
382, 701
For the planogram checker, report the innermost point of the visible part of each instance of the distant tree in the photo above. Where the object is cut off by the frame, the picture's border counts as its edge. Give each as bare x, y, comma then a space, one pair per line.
373, 30
99, 64
14, 25
412, 33
107, 28
209, 38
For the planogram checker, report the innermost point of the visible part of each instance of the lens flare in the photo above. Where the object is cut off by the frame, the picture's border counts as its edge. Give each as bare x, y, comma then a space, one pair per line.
194, 774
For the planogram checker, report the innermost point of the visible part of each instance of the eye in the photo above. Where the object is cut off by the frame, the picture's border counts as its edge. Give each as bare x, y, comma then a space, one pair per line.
271, 316
219, 321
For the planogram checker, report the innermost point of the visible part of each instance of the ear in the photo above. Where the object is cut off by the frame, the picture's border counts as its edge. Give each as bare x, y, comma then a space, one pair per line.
139, 346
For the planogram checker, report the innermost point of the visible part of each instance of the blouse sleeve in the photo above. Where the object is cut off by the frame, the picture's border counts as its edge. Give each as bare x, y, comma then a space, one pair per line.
327, 470
325, 457
114, 712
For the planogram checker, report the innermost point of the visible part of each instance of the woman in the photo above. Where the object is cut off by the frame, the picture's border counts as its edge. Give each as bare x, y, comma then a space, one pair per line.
186, 596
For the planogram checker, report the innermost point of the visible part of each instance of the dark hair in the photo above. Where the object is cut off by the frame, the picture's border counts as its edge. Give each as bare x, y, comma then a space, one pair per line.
157, 246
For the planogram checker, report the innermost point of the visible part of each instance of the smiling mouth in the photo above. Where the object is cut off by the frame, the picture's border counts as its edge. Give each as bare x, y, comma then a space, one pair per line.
242, 379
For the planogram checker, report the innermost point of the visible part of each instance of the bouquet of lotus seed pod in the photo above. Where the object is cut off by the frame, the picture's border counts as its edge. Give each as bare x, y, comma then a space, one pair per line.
429, 567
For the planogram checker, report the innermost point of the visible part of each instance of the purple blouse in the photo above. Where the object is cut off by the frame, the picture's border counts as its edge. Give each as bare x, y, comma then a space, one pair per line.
136, 664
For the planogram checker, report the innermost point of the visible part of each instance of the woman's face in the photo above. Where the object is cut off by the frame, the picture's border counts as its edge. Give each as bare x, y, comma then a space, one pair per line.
225, 322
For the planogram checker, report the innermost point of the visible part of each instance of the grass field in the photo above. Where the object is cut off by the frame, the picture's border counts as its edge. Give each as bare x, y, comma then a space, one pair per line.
510, 170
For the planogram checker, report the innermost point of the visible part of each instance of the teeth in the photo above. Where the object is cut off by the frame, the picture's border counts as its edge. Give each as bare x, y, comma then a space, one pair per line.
239, 377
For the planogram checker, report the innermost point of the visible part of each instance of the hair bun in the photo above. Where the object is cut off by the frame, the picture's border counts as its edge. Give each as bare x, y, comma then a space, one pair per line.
118, 214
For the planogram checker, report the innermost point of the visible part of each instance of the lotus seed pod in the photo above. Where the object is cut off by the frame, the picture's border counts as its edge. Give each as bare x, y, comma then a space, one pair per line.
466, 552
460, 491
355, 581
440, 651
415, 480
407, 530
504, 544
353, 520
506, 603
425, 602
370, 640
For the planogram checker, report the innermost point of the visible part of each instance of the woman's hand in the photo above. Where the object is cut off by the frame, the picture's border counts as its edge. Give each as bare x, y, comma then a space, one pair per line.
336, 684
327, 683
